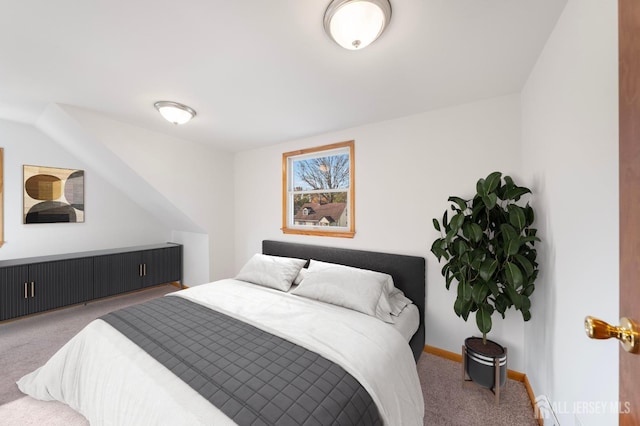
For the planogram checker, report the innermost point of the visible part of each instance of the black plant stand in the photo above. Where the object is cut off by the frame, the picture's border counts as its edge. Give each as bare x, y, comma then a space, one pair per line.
496, 374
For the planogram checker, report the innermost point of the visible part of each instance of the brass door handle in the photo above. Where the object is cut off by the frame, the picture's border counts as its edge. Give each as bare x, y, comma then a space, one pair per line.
626, 332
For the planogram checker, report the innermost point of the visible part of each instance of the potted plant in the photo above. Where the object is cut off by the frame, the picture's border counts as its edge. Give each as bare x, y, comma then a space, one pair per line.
488, 248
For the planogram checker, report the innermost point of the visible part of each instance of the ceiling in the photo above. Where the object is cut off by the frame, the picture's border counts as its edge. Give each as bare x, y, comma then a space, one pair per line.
260, 72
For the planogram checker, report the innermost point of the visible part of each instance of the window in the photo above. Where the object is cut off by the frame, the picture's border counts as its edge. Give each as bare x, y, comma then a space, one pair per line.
318, 191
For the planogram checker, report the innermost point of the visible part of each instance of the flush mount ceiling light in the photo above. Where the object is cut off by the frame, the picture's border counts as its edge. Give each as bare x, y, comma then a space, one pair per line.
355, 24
174, 112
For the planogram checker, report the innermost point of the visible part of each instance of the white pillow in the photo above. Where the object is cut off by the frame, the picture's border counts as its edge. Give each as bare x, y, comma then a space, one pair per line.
358, 289
398, 301
385, 305
271, 271
300, 276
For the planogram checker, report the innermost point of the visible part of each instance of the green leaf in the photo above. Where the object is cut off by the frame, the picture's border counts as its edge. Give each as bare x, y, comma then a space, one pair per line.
478, 257
512, 247
460, 247
514, 296
483, 318
526, 315
436, 225
472, 232
490, 200
488, 268
508, 232
502, 303
465, 230
529, 240
479, 293
527, 267
516, 192
528, 290
462, 204
516, 216
450, 235
445, 220
480, 188
457, 221
462, 308
439, 249
513, 276
528, 210
526, 303
495, 290
509, 182
475, 232
446, 272
449, 278
457, 306
492, 181
464, 290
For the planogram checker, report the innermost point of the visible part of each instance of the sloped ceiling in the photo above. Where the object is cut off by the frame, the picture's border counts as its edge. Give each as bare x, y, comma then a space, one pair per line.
260, 72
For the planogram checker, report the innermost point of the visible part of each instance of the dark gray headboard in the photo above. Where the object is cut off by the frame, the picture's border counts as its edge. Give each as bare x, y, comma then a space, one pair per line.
408, 272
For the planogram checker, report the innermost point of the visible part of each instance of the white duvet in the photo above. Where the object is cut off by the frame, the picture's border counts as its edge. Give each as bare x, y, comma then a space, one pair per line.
111, 381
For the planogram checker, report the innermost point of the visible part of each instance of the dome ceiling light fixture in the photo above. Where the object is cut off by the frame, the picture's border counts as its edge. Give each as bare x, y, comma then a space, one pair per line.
175, 112
355, 24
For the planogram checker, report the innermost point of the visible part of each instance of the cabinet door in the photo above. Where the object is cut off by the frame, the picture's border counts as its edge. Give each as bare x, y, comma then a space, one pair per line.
117, 273
162, 265
13, 302
60, 283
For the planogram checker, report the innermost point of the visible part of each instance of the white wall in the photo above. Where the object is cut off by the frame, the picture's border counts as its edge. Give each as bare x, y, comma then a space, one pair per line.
405, 171
194, 179
570, 154
111, 219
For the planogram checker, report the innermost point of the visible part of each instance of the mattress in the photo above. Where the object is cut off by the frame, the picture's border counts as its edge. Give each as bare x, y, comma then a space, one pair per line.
110, 380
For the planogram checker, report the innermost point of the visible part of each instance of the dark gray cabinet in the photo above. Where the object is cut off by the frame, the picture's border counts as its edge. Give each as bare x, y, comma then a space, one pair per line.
55, 284
14, 292
160, 265
121, 272
34, 285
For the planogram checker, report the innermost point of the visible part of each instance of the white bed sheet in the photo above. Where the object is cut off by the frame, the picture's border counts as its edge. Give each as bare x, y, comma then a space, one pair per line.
407, 322
108, 379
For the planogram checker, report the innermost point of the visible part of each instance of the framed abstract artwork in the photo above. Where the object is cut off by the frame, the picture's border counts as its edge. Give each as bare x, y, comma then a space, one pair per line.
53, 195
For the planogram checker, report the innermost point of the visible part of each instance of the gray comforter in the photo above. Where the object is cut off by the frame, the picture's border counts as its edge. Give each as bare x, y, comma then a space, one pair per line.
252, 376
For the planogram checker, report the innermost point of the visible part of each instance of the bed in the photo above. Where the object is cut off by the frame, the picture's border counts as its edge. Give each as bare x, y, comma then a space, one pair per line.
293, 348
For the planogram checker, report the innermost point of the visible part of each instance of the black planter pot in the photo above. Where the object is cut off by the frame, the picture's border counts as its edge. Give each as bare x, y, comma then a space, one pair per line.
480, 363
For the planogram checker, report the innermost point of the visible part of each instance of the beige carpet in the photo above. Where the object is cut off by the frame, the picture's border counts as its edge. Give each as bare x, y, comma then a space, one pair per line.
33, 340
450, 402
27, 411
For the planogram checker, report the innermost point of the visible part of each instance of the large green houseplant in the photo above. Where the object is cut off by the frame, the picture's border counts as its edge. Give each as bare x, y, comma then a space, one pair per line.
488, 248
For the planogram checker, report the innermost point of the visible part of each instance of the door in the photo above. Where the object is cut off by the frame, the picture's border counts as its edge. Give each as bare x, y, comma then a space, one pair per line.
117, 273
14, 292
629, 102
60, 283
162, 266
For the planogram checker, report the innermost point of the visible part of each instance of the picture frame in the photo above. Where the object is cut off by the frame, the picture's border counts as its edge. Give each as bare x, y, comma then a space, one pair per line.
52, 195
